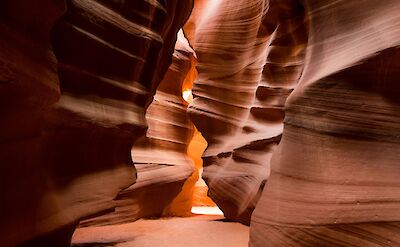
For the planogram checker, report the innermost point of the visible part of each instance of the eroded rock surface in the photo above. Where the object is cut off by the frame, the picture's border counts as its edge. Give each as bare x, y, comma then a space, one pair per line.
160, 157
334, 178
65, 156
28, 87
250, 56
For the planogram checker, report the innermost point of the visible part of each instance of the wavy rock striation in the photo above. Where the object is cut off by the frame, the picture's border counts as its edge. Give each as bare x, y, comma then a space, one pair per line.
160, 157
334, 178
249, 60
66, 158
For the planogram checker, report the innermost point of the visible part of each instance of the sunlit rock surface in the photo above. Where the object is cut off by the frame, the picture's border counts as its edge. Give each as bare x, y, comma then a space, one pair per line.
160, 157
334, 178
66, 158
250, 56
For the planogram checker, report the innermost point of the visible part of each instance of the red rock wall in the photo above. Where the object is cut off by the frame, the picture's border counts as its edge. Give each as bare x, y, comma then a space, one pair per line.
29, 85
334, 178
66, 158
250, 56
160, 157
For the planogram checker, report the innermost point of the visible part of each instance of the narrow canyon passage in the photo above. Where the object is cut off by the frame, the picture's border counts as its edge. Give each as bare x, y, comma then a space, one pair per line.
218, 123
186, 216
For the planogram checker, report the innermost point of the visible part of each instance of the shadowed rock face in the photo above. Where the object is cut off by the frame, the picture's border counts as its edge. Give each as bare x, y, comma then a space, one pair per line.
28, 87
65, 156
250, 56
160, 157
334, 178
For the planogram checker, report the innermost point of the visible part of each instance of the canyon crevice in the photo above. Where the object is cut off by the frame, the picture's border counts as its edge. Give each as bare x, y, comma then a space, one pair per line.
297, 100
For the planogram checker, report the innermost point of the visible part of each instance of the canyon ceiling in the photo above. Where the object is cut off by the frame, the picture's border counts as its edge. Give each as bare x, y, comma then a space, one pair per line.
297, 100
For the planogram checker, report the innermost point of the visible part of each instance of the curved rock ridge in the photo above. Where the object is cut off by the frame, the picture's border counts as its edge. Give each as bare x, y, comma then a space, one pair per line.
334, 178
66, 139
160, 157
249, 61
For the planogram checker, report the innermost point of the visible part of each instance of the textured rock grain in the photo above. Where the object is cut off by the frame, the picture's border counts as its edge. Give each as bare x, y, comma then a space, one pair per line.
334, 178
250, 56
160, 157
67, 128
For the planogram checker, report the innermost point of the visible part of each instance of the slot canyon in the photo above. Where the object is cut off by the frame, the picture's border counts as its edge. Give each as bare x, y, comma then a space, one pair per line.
202, 123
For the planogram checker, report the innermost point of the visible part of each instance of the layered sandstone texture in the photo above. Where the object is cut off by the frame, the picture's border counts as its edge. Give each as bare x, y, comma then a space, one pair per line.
160, 157
334, 178
67, 127
250, 56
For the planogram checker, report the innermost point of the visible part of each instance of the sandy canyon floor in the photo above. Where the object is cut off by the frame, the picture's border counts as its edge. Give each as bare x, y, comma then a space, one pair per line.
196, 231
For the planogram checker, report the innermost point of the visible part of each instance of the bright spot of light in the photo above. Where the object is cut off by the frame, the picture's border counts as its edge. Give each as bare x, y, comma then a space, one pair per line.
208, 13
207, 210
187, 95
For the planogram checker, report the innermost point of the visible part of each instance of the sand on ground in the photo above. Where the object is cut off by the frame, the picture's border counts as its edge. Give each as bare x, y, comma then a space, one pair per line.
196, 231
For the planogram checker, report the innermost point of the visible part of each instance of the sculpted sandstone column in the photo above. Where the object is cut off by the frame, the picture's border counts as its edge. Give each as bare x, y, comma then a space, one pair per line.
66, 158
160, 157
335, 175
112, 56
249, 60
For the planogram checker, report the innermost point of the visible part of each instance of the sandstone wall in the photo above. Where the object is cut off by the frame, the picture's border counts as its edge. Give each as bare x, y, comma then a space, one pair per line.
160, 156
29, 85
334, 178
250, 56
68, 127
